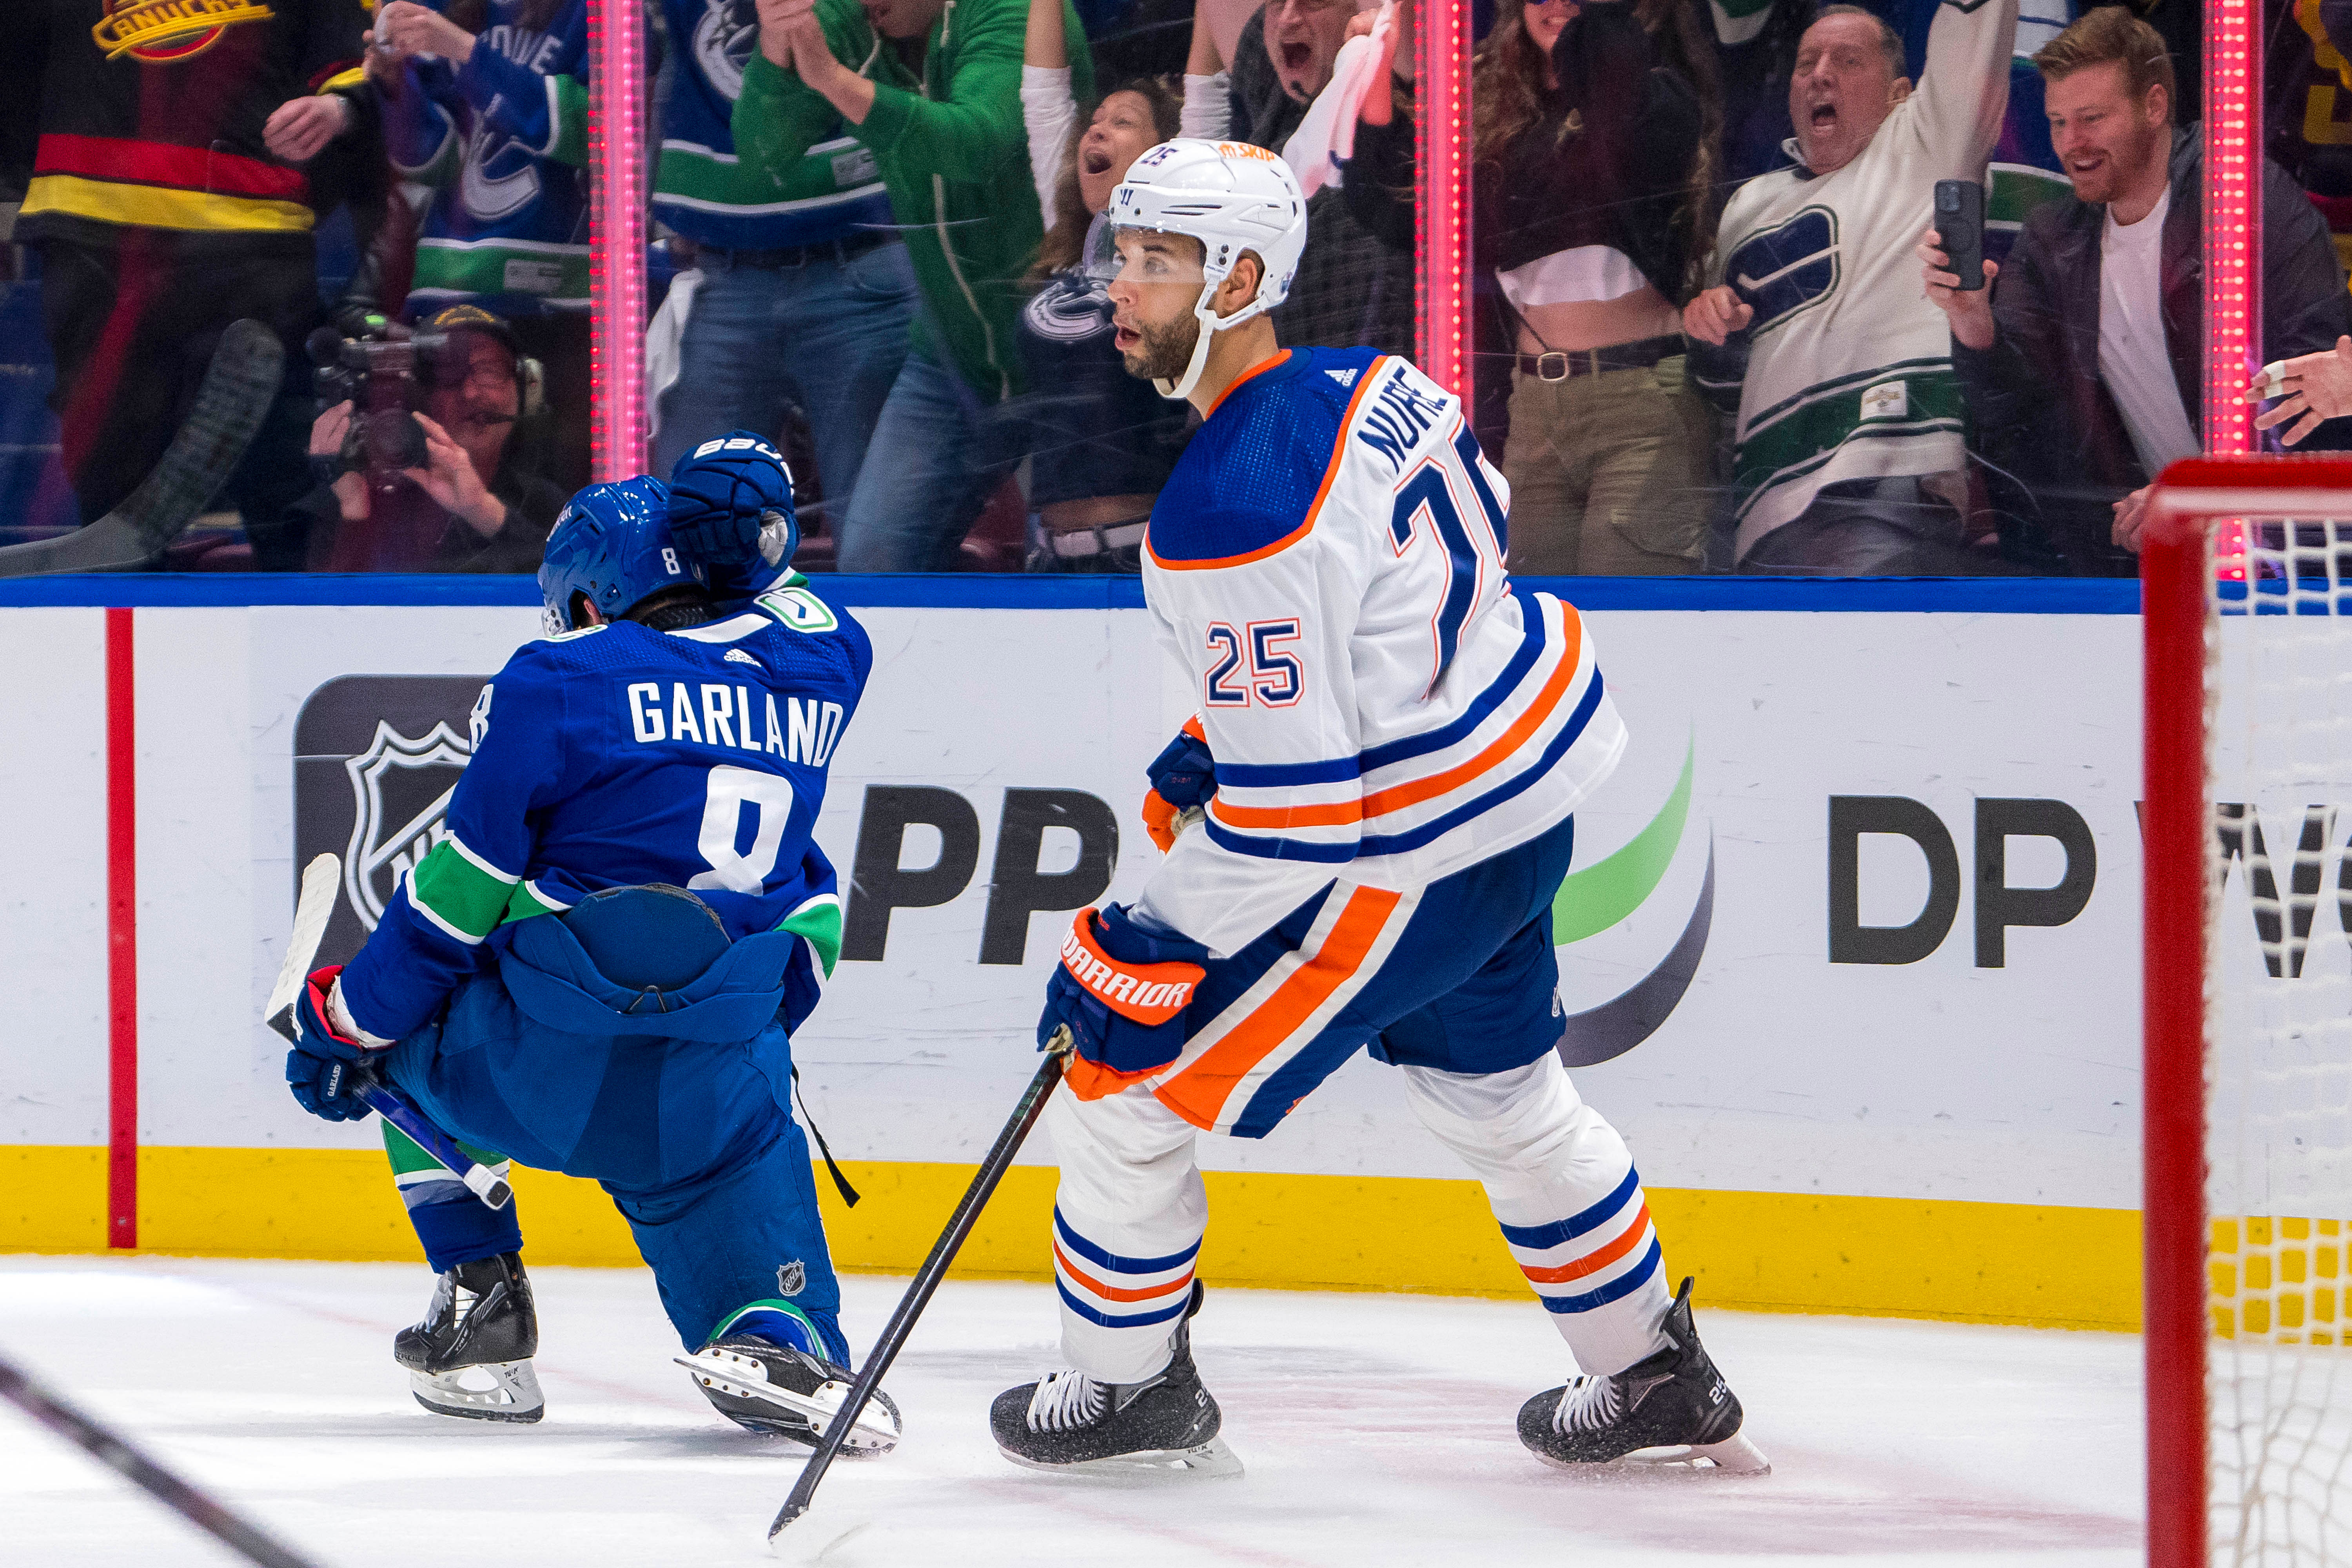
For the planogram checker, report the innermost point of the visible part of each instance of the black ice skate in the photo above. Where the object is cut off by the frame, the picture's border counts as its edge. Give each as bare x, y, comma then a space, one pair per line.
768, 1387
1672, 1408
471, 1355
1165, 1424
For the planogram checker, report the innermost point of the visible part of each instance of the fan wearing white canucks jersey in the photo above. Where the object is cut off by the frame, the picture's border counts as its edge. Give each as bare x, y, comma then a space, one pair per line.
1391, 744
597, 970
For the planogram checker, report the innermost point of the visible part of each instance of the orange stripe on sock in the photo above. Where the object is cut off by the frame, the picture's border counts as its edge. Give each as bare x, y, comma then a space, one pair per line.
1198, 1094
1594, 1262
1117, 1293
1399, 796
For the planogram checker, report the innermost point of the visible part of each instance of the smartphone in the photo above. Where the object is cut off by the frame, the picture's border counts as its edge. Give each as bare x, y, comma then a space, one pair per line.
1960, 219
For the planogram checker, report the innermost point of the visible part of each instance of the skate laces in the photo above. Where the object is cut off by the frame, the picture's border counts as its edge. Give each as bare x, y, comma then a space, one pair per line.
1063, 1400
1588, 1404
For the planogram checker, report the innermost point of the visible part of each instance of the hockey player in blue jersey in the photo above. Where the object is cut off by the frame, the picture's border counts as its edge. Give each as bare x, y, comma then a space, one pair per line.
598, 970
1365, 829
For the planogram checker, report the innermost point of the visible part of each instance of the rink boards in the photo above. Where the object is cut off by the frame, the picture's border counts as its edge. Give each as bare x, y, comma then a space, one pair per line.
1850, 949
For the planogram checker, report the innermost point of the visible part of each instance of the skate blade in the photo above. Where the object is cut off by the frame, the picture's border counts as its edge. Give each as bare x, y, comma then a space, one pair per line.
871, 1435
1734, 1455
1211, 1460
513, 1394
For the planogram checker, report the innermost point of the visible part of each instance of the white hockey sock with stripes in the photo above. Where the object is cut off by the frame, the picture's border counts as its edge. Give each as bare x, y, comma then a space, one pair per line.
1128, 1221
1564, 1189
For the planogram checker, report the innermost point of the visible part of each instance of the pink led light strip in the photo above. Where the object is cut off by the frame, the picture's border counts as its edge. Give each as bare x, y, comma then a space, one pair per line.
2233, 218
616, 237
1440, 194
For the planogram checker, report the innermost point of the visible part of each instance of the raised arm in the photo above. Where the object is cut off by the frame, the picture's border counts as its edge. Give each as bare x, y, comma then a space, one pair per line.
1049, 112
1208, 91
1963, 91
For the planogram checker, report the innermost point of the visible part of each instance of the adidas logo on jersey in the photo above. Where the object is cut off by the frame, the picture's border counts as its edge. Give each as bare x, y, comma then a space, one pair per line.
737, 655
1344, 377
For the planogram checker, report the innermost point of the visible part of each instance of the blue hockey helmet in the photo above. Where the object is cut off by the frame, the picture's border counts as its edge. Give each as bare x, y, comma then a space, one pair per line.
612, 546
731, 506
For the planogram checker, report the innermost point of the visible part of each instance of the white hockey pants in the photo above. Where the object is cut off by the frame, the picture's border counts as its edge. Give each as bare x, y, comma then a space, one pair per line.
1131, 1210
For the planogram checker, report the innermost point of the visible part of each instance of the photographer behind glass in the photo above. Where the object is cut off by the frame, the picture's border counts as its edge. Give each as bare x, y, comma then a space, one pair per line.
416, 453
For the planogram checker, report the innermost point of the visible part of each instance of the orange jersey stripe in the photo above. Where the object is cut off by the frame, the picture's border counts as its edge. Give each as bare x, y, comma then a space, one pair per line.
1307, 524
1199, 1092
1593, 1263
1117, 1293
1399, 796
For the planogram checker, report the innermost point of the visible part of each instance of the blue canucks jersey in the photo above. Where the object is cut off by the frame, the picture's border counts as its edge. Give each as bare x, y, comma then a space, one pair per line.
616, 756
503, 140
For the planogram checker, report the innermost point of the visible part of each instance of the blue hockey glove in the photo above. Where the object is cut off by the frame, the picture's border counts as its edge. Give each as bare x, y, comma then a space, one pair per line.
1183, 776
1121, 991
322, 1068
722, 492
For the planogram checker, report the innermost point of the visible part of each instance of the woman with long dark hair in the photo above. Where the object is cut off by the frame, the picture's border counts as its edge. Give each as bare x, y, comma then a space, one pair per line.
1595, 136
1101, 443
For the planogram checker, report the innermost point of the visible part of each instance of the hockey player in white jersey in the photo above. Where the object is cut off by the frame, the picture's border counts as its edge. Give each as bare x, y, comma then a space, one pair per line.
1390, 742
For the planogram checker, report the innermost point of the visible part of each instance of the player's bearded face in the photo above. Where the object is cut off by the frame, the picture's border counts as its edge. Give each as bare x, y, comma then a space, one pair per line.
1153, 296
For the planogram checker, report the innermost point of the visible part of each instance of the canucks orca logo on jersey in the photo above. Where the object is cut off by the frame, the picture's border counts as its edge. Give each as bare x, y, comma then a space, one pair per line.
499, 175
723, 44
1786, 268
1069, 310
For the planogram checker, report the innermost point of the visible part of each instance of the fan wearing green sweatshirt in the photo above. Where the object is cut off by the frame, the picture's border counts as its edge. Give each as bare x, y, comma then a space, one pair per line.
933, 88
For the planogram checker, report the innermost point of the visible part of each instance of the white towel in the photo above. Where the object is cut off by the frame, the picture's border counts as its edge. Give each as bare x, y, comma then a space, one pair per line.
1327, 137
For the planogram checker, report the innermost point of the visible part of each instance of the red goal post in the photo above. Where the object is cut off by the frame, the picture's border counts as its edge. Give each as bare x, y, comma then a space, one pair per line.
2247, 1054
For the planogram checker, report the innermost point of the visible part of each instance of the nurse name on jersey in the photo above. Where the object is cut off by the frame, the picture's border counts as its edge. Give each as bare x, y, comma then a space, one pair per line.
714, 715
1397, 415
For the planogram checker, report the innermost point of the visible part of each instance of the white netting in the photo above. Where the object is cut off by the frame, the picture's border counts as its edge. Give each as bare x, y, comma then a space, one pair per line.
2278, 1064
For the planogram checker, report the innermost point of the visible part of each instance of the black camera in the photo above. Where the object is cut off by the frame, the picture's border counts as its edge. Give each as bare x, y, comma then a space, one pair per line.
374, 369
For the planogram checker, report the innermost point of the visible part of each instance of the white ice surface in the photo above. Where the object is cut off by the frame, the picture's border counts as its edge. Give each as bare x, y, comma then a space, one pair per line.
1376, 1430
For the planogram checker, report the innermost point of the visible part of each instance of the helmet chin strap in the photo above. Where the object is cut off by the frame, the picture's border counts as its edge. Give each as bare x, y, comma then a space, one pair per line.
1211, 324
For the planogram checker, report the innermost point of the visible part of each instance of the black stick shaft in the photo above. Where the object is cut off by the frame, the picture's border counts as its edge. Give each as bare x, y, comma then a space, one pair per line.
238, 1534
925, 1281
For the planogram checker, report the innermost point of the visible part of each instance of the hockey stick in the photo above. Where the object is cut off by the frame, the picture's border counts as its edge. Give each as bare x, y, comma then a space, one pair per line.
925, 1281
312, 911
239, 386
240, 1535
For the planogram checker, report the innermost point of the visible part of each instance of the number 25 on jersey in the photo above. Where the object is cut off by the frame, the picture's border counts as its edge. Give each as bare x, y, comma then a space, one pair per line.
1254, 664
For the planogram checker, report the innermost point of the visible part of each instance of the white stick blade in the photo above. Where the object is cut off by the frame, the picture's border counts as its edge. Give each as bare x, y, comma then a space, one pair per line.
321, 880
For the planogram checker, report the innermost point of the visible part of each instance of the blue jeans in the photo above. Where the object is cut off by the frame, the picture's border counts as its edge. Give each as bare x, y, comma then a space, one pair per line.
939, 452
826, 336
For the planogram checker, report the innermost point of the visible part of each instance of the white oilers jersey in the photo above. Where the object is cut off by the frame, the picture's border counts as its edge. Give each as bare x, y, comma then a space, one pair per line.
1850, 368
1327, 566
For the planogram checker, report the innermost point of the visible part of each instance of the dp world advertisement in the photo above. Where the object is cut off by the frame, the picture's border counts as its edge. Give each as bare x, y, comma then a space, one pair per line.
1848, 949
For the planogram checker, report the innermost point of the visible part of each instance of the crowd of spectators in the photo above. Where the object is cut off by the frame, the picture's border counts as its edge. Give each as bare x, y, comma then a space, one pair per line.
1713, 325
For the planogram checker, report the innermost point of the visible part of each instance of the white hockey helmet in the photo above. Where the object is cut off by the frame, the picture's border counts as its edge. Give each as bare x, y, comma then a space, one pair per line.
1232, 197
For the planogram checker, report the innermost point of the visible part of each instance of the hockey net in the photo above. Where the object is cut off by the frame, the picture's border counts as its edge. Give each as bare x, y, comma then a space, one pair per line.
2247, 583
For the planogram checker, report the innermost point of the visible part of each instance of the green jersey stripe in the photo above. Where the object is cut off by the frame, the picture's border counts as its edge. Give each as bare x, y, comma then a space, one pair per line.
818, 922
450, 888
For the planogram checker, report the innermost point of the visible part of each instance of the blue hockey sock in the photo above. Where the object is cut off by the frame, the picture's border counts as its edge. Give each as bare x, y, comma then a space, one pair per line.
781, 1323
454, 1226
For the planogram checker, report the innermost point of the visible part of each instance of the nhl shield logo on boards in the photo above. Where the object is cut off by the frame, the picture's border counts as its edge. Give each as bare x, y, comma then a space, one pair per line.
375, 760
400, 799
